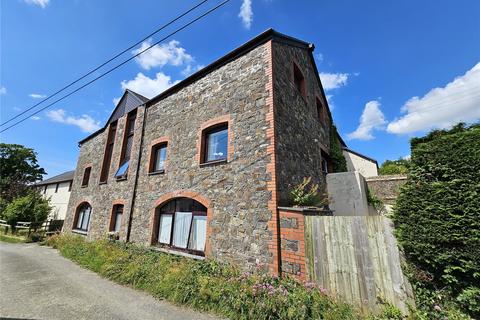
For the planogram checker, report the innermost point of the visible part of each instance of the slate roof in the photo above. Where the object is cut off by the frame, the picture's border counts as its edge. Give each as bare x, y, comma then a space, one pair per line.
126, 103
63, 177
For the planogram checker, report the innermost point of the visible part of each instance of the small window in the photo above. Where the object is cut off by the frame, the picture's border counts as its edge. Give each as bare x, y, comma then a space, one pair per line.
299, 80
215, 143
122, 171
45, 189
159, 157
320, 111
70, 186
56, 187
116, 220
86, 176
182, 225
82, 218
325, 163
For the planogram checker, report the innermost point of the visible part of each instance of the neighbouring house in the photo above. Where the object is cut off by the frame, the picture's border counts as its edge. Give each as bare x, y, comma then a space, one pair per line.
202, 168
58, 189
356, 161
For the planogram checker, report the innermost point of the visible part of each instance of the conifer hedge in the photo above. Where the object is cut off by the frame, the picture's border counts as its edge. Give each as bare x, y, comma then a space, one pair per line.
437, 214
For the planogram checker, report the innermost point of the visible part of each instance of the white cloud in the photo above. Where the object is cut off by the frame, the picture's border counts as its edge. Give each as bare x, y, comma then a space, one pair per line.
332, 81
162, 54
40, 3
319, 57
148, 87
84, 122
458, 101
372, 118
191, 69
246, 13
35, 118
3, 90
37, 96
115, 101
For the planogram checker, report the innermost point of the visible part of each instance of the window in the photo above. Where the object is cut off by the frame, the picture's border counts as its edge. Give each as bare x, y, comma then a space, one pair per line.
299, 80
325, 162
70, 186
45, 189
182, 225
56, 187
82, 218
116, 219
107, 157
215, 143
127, 146
320, 111
158, 158
86, 176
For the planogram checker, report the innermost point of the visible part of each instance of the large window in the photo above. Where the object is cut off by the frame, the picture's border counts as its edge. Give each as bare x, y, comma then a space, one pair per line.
158, 158
127, 146
182, 225
116, 219
215, 143
82, 217
299, 80
107, 157
86, 176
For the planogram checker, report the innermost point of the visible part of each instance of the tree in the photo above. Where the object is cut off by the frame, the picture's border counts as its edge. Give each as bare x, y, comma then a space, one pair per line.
399, 166
18, 170
30, 208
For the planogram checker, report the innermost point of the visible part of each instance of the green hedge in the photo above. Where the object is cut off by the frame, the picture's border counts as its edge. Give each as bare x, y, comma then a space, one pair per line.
207, 285
437, 214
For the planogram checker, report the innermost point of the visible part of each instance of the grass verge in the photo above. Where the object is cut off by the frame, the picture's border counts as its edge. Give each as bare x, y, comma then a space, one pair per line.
11, 238
207, 285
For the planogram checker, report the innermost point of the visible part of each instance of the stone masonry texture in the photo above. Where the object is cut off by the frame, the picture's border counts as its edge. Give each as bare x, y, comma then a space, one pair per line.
238, 193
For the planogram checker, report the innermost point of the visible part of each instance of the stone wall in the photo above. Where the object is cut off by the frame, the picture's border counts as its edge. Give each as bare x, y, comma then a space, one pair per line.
102, 196
386, 188
292, 237
300, 136
236, 191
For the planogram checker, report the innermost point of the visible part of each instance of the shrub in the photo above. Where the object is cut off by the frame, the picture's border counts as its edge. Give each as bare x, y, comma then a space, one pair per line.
306, 194
336, 153
437, 214
399, 166
29, 208
204, 285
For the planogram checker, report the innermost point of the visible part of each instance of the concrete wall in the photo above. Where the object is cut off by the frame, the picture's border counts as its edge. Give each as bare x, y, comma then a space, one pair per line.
58, 200
347, 194
356, 163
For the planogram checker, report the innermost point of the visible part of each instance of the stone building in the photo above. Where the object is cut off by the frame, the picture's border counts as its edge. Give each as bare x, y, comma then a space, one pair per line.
201, 169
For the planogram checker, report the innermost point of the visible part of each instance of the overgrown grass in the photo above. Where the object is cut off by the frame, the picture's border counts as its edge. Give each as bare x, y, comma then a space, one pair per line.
207, 285
11, 238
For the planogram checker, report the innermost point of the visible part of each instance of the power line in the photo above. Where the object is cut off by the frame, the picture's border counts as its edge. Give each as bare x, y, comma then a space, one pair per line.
106, 62
119, 65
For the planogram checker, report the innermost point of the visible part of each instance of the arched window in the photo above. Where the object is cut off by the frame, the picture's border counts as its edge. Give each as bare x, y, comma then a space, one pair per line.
181, 224
82, 217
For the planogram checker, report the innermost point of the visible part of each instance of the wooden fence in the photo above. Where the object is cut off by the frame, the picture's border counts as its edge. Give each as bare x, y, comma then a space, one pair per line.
46, 228
356, 259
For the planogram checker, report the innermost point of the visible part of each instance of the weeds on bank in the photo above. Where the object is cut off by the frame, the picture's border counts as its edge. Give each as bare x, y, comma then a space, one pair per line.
207, 285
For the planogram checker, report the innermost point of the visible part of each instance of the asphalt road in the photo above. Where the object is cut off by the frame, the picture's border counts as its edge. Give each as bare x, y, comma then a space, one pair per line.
37, 283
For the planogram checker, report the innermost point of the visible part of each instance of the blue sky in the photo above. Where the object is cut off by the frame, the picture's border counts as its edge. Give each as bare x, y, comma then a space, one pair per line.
392, 69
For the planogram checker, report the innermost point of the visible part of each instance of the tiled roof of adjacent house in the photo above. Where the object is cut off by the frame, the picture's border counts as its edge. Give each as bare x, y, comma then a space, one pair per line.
66, 176
262, 38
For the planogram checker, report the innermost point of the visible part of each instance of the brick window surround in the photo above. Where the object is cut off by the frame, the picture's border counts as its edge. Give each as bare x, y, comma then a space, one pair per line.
85, 226
108, 152
86, 175
201, 143
320, 110
299, 80
115, 204
152, 149
154, 216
